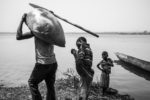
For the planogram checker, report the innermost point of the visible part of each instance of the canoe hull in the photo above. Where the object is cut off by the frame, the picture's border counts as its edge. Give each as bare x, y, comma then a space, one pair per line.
134, 61
45, 26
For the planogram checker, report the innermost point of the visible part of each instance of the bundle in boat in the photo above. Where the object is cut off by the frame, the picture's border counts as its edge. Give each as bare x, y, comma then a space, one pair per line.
45, 26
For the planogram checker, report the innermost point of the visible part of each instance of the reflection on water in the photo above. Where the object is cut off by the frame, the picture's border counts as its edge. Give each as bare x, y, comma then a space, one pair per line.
134, 69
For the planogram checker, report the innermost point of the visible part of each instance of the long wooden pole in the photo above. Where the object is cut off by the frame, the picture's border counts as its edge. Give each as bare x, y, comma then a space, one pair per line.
65, 20
80, 27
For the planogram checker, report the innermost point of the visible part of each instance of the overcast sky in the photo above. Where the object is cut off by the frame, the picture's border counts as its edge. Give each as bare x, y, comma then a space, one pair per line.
95, 15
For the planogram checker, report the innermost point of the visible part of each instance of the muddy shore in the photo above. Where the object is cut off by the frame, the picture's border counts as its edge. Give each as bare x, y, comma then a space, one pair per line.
66, 89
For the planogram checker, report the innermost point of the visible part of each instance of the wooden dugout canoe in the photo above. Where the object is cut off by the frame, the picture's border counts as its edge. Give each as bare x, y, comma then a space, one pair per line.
134, 61
45, 26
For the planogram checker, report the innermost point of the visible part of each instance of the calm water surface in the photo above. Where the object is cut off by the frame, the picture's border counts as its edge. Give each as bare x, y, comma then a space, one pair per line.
17, 60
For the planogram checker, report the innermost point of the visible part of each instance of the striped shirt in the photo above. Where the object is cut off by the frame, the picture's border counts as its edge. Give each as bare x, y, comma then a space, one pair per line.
85, 54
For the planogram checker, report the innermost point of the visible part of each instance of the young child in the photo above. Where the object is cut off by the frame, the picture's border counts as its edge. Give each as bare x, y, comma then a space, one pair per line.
84, 58
106, 65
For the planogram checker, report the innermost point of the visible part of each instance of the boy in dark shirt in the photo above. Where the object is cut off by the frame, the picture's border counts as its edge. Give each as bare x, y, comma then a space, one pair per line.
106, 65
84, 58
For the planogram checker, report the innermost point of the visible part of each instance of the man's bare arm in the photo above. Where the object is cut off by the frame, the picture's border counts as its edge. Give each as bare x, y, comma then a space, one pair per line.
20, 35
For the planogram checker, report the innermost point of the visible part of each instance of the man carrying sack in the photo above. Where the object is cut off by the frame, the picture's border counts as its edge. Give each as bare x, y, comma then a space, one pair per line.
46, 64
84, 58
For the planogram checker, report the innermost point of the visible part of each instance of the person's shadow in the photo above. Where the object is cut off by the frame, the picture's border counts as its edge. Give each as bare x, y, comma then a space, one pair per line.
134, 69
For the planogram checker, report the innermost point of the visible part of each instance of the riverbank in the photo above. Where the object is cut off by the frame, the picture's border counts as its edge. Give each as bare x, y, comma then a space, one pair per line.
66, 89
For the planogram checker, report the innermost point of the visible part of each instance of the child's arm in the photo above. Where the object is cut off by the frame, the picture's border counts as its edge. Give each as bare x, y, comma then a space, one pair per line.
110, 62
98, 66
20, 35
74, 52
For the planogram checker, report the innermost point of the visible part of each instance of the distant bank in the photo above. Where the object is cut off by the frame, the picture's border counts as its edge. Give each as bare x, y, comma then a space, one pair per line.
100, 33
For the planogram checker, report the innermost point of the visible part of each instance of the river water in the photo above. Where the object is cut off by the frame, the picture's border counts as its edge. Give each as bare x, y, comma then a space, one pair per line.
17, 60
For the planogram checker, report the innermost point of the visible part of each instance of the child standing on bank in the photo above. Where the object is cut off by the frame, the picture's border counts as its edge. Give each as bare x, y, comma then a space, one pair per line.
106, 65
84, 59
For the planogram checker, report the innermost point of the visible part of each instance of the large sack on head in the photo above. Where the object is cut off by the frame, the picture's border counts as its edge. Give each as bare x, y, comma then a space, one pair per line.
45, 26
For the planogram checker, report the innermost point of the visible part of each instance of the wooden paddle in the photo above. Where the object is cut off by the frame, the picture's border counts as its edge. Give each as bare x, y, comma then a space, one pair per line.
92, 33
